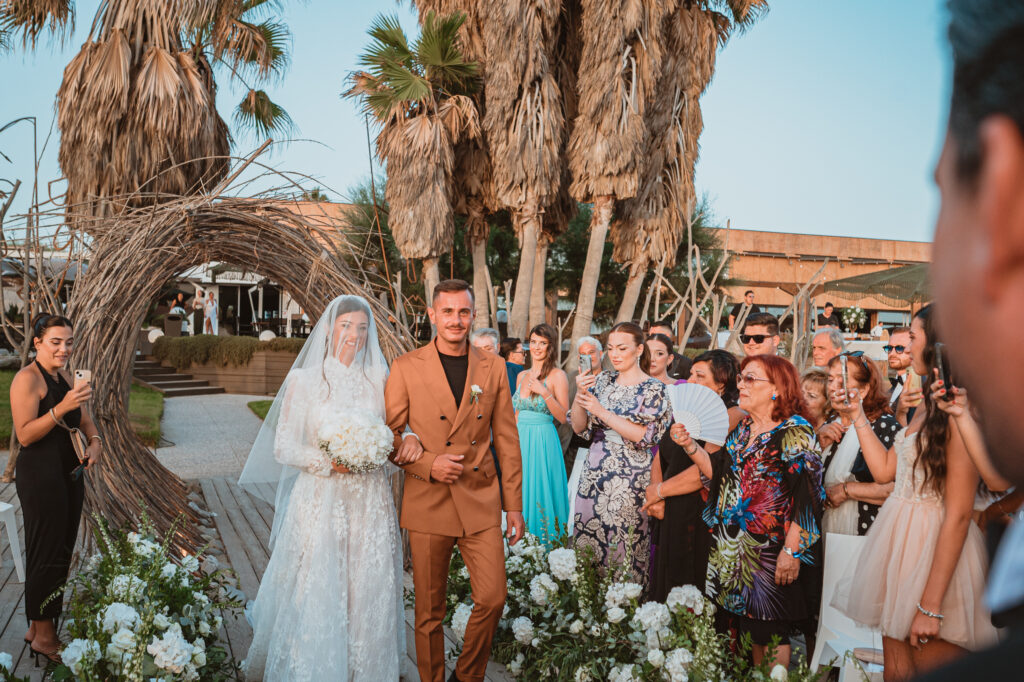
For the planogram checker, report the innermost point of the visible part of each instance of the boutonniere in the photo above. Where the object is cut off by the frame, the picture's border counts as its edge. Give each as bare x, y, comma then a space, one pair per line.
475, 392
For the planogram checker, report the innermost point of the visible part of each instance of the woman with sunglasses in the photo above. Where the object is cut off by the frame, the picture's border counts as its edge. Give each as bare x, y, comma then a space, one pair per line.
853, 495
48, 477
764, 509
920, 576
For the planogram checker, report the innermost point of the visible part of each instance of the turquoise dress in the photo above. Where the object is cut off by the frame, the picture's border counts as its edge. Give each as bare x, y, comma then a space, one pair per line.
545, 504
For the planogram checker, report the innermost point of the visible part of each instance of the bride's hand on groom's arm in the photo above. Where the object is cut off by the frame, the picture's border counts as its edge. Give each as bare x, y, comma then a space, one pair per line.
411, 450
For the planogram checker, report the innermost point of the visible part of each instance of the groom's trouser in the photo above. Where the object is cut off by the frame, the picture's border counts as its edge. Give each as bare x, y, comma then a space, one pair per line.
484, 555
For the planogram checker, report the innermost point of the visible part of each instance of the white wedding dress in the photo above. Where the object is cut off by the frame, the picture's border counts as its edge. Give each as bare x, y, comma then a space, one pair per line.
330, 604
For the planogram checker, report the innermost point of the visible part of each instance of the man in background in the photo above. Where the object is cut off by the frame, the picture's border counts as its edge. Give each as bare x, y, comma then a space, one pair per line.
828, 317
898, 352
826, 344
748, 300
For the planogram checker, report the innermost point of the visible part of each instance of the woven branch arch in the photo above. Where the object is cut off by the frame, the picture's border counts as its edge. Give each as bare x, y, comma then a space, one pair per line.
129, 261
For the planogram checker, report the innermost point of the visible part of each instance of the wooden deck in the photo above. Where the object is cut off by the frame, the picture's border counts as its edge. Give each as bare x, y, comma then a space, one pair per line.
243, 524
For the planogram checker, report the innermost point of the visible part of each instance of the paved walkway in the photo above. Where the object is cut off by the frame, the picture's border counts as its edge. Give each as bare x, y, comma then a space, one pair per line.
211, 434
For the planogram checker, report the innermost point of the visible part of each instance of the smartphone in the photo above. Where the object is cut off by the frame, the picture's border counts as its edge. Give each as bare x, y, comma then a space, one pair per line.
846, 380
940, 364
913, 383
585, 364
82, 376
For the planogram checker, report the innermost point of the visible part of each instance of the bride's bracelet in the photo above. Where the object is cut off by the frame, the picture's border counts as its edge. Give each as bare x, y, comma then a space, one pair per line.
937, 616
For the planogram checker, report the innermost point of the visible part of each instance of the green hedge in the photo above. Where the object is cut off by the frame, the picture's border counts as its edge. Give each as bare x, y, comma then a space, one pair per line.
237, 351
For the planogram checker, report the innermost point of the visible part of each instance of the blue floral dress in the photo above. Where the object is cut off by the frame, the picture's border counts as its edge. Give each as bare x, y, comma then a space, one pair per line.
759, 486
616, 475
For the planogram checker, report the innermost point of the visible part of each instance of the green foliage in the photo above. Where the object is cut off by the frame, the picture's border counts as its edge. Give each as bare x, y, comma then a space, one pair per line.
260, 407
145, 409
236, 351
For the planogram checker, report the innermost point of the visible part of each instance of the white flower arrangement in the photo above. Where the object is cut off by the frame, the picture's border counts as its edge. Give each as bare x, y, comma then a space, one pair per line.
854, 318
356, 439
561, 607
139, 613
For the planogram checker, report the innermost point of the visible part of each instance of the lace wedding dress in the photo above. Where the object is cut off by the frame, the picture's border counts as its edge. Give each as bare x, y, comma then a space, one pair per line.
330, 603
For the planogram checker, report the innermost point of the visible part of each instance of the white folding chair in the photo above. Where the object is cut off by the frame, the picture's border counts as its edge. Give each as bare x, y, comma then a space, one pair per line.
11, 523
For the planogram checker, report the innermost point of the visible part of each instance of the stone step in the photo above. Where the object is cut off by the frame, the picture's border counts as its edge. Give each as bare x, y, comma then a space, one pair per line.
201, 390
163, 377
187, 383
147, 364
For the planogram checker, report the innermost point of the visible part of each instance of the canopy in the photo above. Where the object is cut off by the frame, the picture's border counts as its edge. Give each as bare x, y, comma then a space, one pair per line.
895, 286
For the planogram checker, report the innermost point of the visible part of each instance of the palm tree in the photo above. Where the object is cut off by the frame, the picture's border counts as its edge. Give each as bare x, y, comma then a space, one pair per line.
136, 107
525, 126
417, 94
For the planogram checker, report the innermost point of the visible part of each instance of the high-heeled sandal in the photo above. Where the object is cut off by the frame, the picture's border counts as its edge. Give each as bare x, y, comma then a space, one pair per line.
52, 656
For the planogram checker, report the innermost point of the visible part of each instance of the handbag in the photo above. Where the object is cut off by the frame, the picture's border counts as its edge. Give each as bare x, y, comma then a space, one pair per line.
78, 441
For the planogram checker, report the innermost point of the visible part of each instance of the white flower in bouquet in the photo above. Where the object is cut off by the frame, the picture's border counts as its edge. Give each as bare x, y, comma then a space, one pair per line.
615, 615
134, 538
521, 548
123, 640
515, 666
217, 622
779, 673
118, 616
79, 652
6, 661
582, 675
686, 596
595, 630
562, 562
460, 619
356, 439
171, 652
654, 638
169, 569
464, 573
161, 621
651, 616
146, 548
204, 628
190, 563
656, 657
622, 674
119, 659
199, 657
542, 586
93, 562
576, 627
522, 629
677, 663
126, 587
505, 610
632, 590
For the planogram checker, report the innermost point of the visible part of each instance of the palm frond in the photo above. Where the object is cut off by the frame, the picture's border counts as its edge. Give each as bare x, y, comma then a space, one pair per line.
258, 113
386, 30
261, 48
438, 50
32, 18
744, 12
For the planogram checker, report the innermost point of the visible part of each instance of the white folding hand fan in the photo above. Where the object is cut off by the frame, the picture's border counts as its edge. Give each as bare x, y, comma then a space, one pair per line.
701, 411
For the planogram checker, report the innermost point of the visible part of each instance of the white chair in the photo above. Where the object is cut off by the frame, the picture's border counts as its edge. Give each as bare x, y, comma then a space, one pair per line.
11, 522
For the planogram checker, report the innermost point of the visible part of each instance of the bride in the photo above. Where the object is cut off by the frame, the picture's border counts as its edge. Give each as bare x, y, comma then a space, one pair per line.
330, 603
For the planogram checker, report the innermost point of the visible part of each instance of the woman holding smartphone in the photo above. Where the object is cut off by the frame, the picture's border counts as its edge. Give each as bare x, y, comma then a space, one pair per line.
48, 475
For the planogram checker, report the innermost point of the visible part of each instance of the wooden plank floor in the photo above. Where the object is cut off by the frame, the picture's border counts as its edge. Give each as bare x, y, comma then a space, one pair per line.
243, 523
13, 623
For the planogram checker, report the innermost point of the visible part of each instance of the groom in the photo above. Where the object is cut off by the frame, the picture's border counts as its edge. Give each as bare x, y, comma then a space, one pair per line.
456, 399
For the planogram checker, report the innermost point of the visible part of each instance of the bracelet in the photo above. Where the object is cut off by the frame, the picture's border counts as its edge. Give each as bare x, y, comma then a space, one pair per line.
54, 417
928, 613
845, 491
657, 491
857, 425
691, 453
97, 437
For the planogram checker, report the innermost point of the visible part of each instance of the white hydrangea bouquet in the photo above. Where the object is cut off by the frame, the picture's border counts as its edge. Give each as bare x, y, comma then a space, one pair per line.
140, 612
7, 669
566, 620
854, 318
356, 439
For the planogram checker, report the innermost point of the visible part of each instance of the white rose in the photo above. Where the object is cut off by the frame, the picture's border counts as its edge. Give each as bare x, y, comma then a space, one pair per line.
686, 596
656, 657
615, 614
595, 630
6, 661
632, 590
779, 673
651, 616
117, 616
522, 629
576, 627
123, 639
204, 628
161, 621
80, 651
199, 657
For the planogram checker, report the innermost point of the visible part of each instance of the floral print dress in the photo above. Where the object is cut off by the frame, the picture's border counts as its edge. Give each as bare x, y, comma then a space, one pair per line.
616, 474
759, 486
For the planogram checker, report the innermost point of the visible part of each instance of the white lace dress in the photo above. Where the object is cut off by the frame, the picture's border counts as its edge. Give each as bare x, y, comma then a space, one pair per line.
330, 603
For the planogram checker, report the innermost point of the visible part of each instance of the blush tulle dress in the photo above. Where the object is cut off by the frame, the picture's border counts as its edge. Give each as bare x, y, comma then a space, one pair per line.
882, 589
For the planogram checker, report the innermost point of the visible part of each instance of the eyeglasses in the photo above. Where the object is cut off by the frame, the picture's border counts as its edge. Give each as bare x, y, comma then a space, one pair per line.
754, 338
748, 379
899, 349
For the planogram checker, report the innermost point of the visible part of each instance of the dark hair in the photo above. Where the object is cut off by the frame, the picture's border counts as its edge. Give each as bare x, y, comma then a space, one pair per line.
451, 286
724, 368
637, 334
828, 304
789, 399
931, 441
508, 346
767, 320
987, 38
663, 340
44, 321
662, 323
864, 371
349, 304
548, 333
748, 291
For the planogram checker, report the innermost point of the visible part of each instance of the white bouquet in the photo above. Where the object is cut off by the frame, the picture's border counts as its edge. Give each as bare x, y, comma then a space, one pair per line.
356, 439
854, 318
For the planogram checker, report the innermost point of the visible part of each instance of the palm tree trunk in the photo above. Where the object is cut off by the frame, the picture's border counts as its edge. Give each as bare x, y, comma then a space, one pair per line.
431, 278
481, 284
599, 222
537, 300
632, 293
529, 231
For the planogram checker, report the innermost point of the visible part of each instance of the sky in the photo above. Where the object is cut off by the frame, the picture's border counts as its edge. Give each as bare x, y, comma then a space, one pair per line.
825, 117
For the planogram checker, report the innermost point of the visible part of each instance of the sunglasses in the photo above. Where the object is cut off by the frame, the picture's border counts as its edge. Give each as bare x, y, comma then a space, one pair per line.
754, 338
748, 379
899, 349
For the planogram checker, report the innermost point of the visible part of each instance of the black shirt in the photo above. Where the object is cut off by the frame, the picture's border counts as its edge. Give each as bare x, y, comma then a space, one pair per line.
830, 321
754, 309
456, 367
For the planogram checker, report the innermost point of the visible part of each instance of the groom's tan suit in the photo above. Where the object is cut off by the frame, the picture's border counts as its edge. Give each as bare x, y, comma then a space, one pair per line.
467, 512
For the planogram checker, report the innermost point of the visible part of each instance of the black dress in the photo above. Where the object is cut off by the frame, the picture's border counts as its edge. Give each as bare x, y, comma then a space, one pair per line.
682, 539
51, 504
